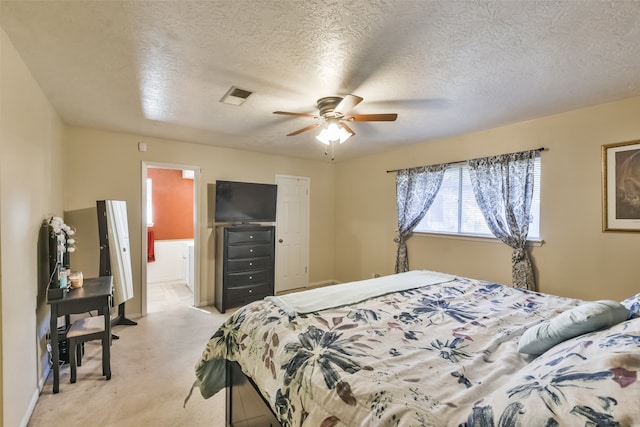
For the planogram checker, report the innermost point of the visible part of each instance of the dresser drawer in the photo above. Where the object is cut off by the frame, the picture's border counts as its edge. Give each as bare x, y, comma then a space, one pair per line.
242, 294
244, 264
235, 265
249, 236
247, 278
248, 251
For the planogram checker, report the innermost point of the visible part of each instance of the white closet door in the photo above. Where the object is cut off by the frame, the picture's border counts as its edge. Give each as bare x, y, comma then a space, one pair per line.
119, 250
292, 233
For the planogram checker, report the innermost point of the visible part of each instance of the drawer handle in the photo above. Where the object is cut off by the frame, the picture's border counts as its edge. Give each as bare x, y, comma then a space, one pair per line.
250, 290
250, 263
250, 277
251, 250
251, 237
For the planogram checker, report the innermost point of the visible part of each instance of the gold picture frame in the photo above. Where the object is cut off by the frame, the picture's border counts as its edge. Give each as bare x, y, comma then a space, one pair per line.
621, 186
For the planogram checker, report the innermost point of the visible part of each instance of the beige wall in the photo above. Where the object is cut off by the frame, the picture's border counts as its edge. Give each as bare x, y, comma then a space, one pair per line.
108, 165
577, 258
31, 166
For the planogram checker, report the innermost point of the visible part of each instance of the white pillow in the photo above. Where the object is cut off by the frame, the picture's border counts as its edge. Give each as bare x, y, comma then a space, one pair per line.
587, 317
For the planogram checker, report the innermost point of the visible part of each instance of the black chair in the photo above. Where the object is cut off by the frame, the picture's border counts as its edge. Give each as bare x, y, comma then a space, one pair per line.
83, 330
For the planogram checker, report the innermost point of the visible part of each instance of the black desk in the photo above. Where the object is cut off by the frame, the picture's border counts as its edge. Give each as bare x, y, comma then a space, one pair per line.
95, 294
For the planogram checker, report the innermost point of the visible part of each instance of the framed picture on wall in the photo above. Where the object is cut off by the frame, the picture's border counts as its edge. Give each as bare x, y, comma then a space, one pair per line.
621, 186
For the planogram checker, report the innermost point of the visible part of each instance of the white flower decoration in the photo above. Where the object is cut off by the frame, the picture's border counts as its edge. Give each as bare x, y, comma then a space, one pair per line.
62, 233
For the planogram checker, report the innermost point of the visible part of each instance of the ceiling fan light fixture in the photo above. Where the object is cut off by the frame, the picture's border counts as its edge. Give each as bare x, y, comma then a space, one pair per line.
323, 136
334, 119
333, 132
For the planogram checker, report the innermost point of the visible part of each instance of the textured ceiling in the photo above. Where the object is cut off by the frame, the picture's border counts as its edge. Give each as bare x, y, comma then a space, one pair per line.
159, 68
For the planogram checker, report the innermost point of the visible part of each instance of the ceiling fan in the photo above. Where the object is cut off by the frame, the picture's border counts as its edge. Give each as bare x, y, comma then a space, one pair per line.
334, 114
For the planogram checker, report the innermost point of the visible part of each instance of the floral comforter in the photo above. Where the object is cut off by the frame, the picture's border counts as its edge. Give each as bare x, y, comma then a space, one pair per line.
437, 355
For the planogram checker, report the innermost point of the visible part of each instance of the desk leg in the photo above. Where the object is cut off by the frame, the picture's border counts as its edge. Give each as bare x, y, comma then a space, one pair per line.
55, 356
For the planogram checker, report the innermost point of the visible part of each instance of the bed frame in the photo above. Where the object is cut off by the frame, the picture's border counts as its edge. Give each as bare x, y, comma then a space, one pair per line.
246, 407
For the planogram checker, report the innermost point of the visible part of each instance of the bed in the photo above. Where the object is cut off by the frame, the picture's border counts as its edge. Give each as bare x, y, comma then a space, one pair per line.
428, 349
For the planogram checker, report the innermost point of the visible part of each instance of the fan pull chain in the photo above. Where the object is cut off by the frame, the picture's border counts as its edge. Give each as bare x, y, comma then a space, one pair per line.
333, 150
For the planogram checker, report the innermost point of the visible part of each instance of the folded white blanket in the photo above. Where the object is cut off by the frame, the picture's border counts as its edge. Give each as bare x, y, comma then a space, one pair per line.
350, 293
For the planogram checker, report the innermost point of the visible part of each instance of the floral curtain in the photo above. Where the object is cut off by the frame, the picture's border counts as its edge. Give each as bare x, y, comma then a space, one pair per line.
503, 186
415, 190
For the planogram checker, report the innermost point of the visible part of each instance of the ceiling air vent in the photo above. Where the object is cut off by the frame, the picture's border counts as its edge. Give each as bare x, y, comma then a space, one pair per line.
235, 96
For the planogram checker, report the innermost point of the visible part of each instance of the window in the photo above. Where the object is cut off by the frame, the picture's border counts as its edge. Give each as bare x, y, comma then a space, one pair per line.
455, 211
149, 203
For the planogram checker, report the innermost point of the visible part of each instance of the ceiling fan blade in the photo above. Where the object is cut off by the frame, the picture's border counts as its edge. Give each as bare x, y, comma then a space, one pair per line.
347, 104
391, 117
286, 113
315, 125
343, 124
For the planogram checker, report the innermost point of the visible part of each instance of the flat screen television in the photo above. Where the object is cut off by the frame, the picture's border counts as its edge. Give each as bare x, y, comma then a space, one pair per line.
245, 202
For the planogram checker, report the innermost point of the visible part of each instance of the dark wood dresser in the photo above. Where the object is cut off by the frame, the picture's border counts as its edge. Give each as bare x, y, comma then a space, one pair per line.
245, 256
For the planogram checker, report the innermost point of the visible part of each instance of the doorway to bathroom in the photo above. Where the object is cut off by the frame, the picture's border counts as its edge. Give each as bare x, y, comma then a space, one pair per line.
170, 212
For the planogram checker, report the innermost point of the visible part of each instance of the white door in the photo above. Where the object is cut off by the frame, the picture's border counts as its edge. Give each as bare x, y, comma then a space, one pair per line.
292, 233
119, 250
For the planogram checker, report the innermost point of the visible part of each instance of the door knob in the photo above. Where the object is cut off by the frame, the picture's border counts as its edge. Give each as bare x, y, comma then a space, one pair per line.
280, 240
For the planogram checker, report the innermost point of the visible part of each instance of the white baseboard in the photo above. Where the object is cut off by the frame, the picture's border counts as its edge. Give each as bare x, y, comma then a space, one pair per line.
309, 286
32, 403
43, 379
133, 315
204, 304
322, 283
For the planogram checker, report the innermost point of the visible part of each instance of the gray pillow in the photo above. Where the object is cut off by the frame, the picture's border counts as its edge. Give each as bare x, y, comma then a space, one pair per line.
587, 317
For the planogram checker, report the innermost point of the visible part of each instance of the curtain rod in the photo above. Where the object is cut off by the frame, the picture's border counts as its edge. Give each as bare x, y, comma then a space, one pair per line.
463, 161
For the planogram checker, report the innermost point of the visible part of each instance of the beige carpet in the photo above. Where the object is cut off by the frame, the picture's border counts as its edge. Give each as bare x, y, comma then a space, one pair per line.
152, 368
